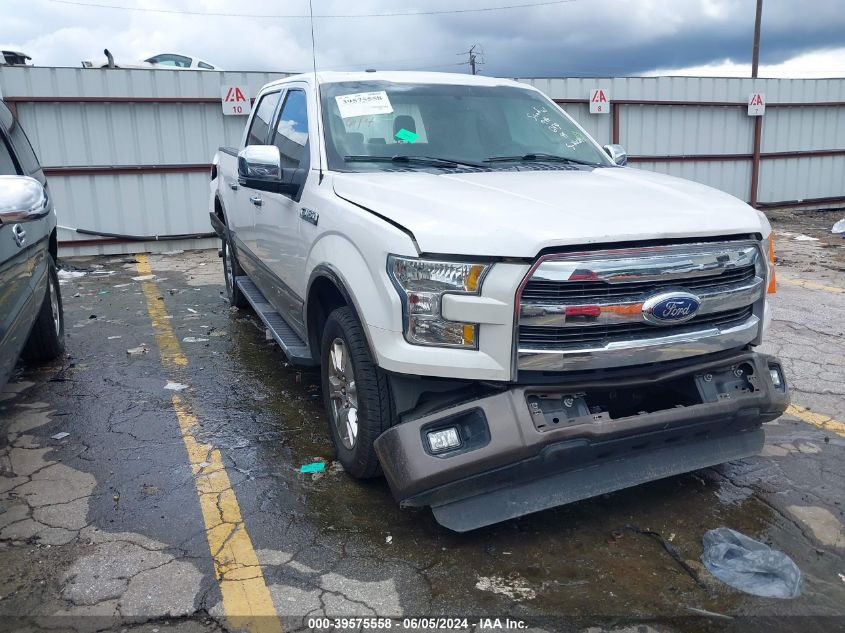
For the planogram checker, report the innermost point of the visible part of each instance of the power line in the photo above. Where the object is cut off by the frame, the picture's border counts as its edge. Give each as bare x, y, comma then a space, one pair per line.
97, 5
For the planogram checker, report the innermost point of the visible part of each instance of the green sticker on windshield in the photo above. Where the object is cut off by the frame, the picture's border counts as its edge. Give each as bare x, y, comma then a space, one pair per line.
407, 136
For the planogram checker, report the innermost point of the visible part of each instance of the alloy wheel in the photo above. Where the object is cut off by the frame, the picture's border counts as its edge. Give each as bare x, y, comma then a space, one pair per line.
343, 393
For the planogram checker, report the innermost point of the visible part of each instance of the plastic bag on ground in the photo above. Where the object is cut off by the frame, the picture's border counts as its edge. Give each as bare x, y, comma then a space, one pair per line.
749, 565
839, 227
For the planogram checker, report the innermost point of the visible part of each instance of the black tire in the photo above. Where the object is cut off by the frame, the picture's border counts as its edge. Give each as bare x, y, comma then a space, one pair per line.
374, 410
47, 339
232, 269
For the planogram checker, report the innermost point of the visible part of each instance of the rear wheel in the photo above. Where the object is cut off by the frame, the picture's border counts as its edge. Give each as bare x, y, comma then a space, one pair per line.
47, 339
356, 394
231, 270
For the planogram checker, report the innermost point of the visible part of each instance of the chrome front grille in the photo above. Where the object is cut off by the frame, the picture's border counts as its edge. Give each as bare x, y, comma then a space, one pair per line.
566, 292
588, 310
563, 337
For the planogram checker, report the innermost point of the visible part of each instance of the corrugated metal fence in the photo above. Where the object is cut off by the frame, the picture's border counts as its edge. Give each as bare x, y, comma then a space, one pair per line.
128, 151
699, 128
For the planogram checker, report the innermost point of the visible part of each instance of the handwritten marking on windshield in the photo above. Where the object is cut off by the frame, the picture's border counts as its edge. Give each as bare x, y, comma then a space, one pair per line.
553, 126
578, 140
537, 113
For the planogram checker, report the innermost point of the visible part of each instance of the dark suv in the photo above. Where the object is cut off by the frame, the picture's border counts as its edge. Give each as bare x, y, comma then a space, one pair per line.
31, 318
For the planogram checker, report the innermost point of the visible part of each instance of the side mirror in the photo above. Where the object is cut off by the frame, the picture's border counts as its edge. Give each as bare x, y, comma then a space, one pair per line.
617, 154
260, 167
22, 199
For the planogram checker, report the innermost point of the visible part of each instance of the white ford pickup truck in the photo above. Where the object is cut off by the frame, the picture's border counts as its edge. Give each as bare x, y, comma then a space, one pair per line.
506, 318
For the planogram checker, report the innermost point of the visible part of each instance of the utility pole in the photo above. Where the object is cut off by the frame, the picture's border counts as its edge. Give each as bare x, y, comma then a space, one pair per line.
755, 55
476, 58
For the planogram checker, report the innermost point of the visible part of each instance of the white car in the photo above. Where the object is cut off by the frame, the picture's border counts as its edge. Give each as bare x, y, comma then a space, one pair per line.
171, 61
505, 317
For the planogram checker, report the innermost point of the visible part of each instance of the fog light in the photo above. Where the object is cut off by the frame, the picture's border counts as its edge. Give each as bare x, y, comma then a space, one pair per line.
776, 379
444, 440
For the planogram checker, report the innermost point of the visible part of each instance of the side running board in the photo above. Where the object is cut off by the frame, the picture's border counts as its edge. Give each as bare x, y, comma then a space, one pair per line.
295, 348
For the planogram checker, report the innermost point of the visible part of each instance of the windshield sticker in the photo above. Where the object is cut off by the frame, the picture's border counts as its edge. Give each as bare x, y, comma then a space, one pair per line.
363, 104
407, 136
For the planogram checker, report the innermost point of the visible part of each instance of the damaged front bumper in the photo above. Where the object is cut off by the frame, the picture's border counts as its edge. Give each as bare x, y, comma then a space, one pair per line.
529, 448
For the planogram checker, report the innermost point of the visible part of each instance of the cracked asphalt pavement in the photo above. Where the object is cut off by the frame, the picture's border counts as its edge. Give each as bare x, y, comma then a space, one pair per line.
106, 528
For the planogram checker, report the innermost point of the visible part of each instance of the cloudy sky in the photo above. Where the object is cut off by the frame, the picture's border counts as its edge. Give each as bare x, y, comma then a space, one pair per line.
569, 37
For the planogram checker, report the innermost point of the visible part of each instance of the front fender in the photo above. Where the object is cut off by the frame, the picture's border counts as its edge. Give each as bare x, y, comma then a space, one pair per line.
367, 288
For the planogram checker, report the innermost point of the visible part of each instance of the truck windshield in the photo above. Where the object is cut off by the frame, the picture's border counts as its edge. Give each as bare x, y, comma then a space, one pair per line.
441, 125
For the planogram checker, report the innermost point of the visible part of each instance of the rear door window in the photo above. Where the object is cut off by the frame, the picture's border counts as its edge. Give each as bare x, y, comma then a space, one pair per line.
261, 119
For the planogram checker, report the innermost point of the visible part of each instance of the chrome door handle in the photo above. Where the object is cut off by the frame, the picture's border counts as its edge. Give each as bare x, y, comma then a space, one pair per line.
233, 186
256, 200
19, 234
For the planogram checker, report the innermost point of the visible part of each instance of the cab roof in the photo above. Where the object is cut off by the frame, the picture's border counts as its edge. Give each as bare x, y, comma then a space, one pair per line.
400, 76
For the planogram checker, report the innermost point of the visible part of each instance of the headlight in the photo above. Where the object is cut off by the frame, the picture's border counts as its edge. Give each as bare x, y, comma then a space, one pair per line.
421, 284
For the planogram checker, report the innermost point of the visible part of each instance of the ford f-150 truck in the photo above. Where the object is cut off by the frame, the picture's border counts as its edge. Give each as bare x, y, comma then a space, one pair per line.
505, 317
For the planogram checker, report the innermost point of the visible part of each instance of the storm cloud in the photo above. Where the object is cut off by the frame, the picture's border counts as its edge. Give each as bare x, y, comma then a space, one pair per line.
580, 37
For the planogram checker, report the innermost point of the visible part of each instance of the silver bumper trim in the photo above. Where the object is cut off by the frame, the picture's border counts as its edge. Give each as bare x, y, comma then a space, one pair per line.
642, 351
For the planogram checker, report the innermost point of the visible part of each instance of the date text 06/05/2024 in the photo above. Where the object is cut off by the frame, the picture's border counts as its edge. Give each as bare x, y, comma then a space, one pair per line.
412, 624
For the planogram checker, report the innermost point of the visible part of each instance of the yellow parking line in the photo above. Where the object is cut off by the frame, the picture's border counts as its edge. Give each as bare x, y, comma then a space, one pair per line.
816, 419
811, 285
246, 599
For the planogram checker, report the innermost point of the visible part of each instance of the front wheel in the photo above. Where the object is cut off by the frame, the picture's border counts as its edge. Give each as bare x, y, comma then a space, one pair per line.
356, 394
47, 338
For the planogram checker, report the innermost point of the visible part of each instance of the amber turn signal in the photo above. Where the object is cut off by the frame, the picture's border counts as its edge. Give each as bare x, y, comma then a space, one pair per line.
772, 276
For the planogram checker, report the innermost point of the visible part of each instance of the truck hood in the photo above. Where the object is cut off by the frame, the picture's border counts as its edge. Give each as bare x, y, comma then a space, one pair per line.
517, 214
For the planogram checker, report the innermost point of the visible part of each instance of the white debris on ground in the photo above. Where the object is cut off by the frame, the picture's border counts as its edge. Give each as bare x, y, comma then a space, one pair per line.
839, 227
514, 587
194, 339
67, 275
141, 349
175, 386
805, 238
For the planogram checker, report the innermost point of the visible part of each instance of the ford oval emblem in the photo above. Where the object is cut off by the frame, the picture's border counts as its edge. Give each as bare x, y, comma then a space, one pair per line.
668, 308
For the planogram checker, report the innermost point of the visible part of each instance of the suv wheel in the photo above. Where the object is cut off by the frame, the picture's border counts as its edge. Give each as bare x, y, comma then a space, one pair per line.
232, 269
47, 339
356, 394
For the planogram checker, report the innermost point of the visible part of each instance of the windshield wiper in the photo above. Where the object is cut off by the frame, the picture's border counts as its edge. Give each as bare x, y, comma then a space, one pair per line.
419, 160
539, 156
